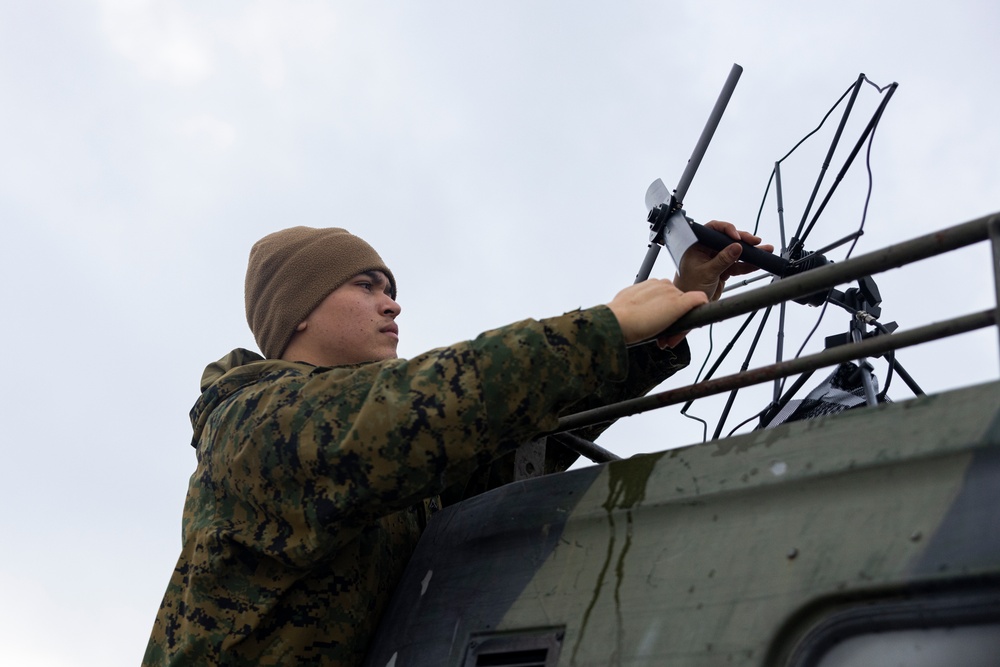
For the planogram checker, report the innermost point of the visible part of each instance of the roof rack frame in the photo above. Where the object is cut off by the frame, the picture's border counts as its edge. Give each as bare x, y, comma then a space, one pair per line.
825, 277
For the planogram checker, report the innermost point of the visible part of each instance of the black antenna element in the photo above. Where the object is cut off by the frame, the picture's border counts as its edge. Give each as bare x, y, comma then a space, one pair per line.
855, 89
797, 246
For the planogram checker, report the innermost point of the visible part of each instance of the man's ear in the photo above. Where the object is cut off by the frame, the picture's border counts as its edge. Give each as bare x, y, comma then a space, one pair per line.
301, 326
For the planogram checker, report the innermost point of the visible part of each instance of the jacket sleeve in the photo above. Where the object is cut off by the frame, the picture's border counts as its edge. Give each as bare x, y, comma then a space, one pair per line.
309, 460
648, 366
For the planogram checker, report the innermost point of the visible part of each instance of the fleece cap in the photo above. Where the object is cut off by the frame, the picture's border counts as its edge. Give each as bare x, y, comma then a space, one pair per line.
290, 272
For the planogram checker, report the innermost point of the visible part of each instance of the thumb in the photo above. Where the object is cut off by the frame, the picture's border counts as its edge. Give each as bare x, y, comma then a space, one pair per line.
727, 257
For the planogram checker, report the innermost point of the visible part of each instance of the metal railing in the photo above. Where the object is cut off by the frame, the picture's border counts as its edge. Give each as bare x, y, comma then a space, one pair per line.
822, 278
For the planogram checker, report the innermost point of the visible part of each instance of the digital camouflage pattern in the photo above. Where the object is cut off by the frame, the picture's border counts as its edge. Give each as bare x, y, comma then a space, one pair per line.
314, 484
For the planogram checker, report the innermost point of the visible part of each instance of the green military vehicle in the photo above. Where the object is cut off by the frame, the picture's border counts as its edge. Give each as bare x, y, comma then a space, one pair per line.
869, 537
866, 537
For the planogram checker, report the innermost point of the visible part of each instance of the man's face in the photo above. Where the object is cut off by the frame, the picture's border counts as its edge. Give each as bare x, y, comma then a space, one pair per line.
355, 323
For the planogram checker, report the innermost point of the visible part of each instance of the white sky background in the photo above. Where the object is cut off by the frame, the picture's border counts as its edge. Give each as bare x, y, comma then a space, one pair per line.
497, 156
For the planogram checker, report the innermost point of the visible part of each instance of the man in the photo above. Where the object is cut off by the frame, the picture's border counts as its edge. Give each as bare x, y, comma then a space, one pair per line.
319, 465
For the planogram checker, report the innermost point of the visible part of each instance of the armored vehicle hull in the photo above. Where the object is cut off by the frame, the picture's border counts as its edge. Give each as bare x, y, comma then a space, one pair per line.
770, 548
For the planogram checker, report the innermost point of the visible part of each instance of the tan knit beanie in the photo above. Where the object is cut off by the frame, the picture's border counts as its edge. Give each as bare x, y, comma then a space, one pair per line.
290, 272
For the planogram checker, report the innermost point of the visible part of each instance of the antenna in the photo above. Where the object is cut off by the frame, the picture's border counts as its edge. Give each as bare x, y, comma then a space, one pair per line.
670, 226
657, 191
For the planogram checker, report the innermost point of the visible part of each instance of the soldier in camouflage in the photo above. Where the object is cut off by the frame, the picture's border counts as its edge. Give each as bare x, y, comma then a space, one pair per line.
320, 462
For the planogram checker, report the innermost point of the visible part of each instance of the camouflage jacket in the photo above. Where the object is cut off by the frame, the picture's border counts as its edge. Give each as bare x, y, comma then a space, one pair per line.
312, 483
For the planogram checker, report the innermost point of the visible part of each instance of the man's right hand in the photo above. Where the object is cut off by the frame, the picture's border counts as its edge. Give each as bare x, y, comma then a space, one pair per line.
647, 308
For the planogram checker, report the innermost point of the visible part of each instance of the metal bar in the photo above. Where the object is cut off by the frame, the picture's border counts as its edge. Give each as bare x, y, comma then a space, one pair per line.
725, 351
857, 333
994, 231
855, 89
781, 205
778, 405
743, 283
869, 129
833, 274
831, 246
906, 378
746, 364
692, 164
779, 353
871, 347
585, 447
647, 262
706, 134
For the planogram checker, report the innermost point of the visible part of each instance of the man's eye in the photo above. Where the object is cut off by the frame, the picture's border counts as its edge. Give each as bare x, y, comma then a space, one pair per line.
367, 286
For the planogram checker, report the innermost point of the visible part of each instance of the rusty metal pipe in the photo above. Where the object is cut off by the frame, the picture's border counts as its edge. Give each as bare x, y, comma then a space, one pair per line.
871, 347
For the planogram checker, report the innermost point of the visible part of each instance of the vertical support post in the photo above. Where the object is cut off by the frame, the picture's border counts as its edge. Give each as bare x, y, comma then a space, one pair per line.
857, 335
778, 357
993, 226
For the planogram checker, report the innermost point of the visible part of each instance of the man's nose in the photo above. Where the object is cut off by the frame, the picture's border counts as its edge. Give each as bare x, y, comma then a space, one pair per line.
391, 307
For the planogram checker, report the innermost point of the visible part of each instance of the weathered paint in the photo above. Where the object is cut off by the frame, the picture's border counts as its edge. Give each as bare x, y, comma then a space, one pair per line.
484, 553
626, 488
716, 553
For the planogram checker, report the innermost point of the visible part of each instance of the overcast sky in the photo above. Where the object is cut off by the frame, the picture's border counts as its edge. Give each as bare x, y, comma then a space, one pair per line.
497, 155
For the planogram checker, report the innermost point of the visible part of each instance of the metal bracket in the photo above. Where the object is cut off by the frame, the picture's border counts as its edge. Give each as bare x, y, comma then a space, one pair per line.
529, 460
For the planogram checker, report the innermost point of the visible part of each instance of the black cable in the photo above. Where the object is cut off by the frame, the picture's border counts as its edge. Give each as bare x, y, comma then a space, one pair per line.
715, 367
697, 378
767, 190
874, 85
747, 421
871, 182
811, 332
801, 141
891, 358
797, 238
743, 369
864, 211
867, 137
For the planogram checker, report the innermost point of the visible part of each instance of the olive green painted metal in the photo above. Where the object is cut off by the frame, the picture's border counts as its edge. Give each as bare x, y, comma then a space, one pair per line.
724, 553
